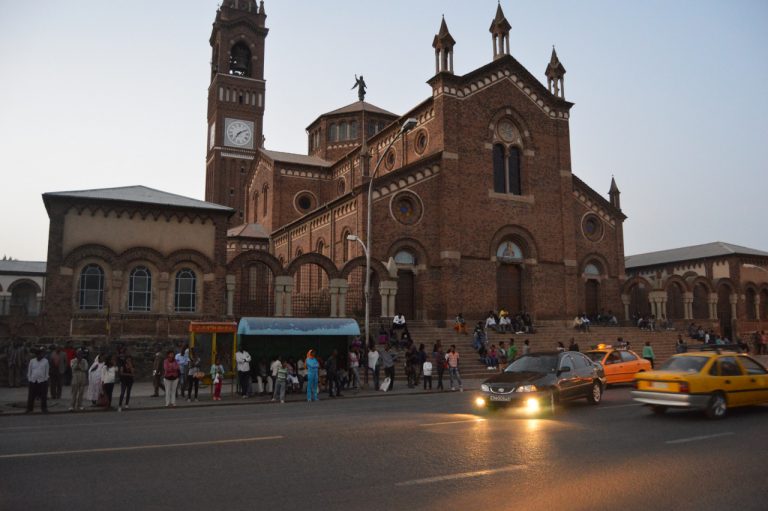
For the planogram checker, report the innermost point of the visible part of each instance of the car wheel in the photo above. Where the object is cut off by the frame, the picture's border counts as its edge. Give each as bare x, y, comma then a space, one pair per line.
717, 406
596, 394
658, 409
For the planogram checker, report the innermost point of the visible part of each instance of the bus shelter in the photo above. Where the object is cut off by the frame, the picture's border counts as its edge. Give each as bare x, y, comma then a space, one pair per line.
267, 338
211, 339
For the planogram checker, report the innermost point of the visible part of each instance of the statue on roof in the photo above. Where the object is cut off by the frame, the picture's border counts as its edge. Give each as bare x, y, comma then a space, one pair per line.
360, 86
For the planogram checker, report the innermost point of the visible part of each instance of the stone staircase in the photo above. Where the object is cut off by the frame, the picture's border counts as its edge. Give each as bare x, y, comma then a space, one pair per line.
545, 338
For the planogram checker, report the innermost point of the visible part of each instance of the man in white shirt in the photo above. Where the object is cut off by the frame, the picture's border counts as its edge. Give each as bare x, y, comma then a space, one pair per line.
398, 321
274, 367
243, 360
37, 376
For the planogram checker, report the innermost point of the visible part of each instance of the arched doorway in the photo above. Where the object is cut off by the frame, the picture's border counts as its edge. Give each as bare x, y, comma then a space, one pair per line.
700, 306
355, 298
258, 298
592, 297
405, 299
310, 297
24, 298
675, 304
764, 304
639, 305
509, 277
724, 311
750, 298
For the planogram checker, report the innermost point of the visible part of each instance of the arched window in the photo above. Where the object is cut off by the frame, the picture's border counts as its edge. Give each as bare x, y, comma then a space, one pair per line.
140, 290
240, 60
332, 133
91, 293
24, 295
343, 134
353, 129
405, 257
185, 296
506, 170
264, 200
509, 251
592, 270
750, 304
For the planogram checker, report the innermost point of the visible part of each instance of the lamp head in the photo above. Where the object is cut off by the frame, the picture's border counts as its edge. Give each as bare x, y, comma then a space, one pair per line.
352, 237
408, 125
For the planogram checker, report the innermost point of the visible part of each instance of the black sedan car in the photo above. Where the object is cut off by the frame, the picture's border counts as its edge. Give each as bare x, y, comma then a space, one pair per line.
539, 380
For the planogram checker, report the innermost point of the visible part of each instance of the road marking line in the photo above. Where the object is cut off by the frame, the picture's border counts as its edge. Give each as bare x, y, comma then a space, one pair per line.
617, 406
139, 447
451, 422
462, 475
697, 438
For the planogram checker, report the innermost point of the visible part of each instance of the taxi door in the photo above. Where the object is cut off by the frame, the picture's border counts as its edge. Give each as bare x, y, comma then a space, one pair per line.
758, 380
732, 379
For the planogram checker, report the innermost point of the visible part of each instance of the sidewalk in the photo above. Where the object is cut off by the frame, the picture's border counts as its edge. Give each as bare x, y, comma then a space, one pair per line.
13, 400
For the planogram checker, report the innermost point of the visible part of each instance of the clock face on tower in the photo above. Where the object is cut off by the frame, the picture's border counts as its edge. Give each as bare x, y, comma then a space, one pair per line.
238, 133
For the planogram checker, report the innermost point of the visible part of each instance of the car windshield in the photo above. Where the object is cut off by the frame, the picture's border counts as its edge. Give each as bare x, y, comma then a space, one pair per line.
595, 356
533, 363
684, 364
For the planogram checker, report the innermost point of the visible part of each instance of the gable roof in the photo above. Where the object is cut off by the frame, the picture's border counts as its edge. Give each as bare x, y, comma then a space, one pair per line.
138, 194
22, 267
298, 159
715, 249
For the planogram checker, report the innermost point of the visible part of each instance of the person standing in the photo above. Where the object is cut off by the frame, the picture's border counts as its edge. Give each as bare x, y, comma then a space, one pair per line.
313, 370
453, 367
273, 368
171, 372
354, 367
108, 378
439, 362
157, 374
282, 378
680, 345
37, 376
511, 351
388, 361
217, 378
182, 358
575, 347
427, 372
94, 379
126, 372
648, 353
526, 347
373, 365
58, 368
332, 374
79, 368
193, 373
243, 360
17, 358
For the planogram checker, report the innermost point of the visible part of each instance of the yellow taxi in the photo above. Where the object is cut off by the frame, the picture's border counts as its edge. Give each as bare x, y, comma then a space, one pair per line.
711, 381
620, 364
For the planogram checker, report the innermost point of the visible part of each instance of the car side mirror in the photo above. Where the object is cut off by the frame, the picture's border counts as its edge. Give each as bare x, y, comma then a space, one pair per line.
564, 369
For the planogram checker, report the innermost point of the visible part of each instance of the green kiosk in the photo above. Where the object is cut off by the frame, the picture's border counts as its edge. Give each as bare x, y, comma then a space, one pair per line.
265, 338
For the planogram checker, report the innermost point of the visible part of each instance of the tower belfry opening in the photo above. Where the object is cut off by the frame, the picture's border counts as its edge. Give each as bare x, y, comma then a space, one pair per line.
240, 60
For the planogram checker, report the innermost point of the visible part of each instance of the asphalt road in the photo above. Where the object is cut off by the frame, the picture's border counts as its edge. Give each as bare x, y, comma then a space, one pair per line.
405, 452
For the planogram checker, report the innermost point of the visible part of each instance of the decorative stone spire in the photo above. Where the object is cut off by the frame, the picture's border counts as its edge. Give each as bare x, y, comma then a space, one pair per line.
443, 44
500, 33
555, 76
261, 8
614, 193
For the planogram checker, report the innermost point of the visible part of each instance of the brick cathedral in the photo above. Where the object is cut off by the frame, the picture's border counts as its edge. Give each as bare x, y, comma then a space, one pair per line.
474, 208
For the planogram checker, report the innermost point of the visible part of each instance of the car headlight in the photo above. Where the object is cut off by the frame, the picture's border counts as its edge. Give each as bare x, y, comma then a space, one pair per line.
485, 388
526, 388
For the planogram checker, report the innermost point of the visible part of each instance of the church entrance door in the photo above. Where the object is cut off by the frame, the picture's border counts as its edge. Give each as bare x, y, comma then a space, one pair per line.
592, 297
406, 292
509, 288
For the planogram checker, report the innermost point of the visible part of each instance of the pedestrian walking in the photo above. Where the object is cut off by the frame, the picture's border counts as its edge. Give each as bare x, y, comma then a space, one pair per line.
243, 360
171, 371
126, 372
217, 378
194, 374
388, 358
374, 365
453, 367
108, 379
94, 380
648, 353
313, 369
79, 368
157, 374
38, 373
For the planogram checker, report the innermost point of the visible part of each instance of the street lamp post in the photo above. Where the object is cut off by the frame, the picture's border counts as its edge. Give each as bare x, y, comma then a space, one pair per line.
409, 124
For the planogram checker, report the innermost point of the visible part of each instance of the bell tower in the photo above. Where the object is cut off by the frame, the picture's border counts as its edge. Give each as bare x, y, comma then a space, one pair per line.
235, 102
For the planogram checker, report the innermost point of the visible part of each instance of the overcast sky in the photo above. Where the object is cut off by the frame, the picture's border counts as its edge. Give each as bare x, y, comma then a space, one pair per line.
670, 97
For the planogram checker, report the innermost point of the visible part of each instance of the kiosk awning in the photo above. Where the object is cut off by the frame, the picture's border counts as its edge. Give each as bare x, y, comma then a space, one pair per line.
298, 326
